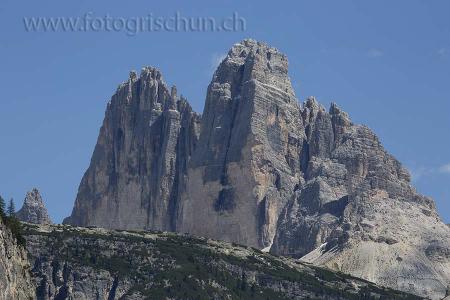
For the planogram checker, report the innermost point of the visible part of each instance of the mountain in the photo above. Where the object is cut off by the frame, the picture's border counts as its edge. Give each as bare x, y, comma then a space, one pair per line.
94, 263
356, 211
15, 277
260, 169
33, 209
249, 154
227, 175
140, 159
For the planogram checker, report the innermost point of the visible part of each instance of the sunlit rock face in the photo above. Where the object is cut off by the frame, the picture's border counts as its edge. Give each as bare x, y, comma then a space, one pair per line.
15, 278
260, 169
247, 162
356, 211
33, 209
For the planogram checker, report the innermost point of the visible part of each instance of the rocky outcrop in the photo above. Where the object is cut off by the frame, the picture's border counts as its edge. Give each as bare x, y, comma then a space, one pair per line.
139, 163
33, 209
82, 263
356, 211
248, 157
15, 278
262, 170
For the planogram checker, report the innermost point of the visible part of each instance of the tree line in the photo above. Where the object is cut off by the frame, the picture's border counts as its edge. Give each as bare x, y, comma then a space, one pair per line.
9, 218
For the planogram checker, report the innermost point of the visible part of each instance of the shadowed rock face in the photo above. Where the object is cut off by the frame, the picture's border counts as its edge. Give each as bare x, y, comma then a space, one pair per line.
33, 209
262, 170
140, 160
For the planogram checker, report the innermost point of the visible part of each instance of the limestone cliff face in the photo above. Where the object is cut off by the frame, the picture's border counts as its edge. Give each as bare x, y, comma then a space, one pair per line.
15, 277
356, 211
248, 157
33, 209
140, 160
262, 170
242, 174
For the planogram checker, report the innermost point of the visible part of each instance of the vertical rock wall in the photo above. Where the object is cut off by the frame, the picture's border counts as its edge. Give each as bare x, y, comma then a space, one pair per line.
140, 160
15, 278
247, 160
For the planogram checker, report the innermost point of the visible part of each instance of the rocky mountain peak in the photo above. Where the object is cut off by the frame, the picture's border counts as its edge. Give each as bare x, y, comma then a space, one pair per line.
252, 61
246, 163
140, 159
340, 117
152, 72
249, 48
133, 75
33, 209
259, 169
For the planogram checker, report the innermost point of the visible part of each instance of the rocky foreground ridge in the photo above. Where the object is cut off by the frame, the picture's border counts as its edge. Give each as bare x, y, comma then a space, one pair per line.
260, 169
94, 263
15, 277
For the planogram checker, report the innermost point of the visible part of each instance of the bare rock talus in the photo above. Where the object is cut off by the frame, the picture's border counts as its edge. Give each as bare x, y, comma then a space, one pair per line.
33, 209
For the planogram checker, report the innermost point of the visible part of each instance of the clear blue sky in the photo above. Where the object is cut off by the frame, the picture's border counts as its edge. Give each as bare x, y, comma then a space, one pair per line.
387, 63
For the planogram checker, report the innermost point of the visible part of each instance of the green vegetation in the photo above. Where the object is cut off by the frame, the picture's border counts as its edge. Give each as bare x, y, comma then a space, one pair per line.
167, 265
11, 221
11, 208
2, 207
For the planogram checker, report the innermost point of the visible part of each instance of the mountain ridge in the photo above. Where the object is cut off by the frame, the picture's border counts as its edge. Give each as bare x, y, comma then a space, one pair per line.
88, 263
260, 169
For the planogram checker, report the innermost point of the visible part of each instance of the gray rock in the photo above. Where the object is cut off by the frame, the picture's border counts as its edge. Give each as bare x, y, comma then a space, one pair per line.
139, 164
246, 163
94, 263
357, 212
33, 209
15, 279
262, 170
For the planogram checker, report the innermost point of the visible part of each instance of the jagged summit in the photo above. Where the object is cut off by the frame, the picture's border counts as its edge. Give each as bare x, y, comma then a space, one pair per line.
33, 209
141, 155
256, 62
259, 169
246, 163
252, 46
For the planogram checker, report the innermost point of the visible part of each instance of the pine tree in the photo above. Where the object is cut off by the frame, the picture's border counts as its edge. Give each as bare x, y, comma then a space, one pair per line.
10, 220
11, 208
2, 208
